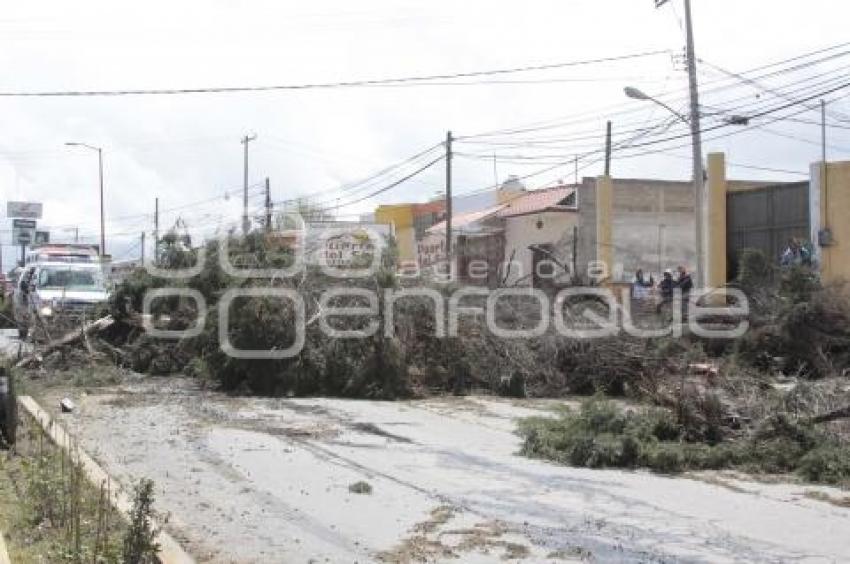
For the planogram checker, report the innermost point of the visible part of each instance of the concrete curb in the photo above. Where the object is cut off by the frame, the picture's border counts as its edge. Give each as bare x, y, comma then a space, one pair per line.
4, 554
170, 550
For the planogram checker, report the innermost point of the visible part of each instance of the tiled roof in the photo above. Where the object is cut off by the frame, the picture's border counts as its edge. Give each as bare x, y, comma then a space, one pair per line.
467, 221
539, 201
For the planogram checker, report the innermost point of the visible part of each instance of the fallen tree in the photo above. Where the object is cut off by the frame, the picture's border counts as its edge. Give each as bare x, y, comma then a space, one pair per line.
69, 338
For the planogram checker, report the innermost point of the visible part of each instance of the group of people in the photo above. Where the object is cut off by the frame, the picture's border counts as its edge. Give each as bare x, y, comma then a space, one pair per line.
797, 253
643, 289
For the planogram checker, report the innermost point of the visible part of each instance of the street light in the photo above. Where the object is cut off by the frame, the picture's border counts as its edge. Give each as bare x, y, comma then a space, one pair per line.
100, 175
638, 94
699, 181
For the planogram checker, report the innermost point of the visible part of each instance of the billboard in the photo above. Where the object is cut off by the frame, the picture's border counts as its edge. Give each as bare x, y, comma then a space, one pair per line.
28, 210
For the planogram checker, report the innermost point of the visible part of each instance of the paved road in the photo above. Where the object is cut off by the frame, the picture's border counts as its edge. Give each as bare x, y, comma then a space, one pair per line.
259, 480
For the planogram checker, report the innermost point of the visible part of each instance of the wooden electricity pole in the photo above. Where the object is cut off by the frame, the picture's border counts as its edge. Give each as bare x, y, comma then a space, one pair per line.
449, 197
268, 205
156, 231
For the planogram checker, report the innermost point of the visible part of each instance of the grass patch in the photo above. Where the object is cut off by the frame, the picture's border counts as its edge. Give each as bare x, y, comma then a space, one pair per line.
602, 435
50, 512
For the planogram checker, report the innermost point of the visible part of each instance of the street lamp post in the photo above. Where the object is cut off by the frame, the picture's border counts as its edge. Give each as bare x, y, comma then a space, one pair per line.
698, 180
100, 178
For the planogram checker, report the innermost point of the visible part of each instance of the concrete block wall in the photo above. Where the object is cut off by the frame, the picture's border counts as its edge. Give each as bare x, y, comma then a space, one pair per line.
652, 226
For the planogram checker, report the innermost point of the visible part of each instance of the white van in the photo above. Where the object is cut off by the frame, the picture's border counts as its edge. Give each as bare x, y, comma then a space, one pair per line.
58, 295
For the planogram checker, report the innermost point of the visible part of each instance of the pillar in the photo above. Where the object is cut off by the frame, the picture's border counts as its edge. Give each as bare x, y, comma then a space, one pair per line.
829, 207
604, 225
716, 276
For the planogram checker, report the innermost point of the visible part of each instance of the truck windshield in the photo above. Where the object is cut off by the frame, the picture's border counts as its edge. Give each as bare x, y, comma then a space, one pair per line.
70, 278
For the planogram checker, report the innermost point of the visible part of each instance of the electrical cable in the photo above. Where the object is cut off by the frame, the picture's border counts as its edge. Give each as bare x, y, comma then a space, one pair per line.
326, 85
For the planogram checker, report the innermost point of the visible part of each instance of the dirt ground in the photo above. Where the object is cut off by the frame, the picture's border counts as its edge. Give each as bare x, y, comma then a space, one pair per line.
267, 480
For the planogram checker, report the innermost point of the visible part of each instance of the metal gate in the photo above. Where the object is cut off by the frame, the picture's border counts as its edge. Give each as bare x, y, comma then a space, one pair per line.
765, 218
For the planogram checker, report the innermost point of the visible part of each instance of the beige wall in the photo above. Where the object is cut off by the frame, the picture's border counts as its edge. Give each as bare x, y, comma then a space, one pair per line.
653, 226
829, 207
521, 231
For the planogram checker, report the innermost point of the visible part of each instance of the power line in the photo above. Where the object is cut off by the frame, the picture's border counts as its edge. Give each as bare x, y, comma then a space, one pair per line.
834, 75
327, 85
556, 143
351, 188
535, 126
764, 88
378, 191
619, 148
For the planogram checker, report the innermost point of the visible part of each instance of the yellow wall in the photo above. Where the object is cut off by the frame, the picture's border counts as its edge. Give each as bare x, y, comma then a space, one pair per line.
604, 226
716, 224
834, 210
401, 217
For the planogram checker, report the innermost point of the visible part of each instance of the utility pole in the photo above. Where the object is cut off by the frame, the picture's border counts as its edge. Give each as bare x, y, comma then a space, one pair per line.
824, 182
696, 141
576, 173
449, 199
608, 149
102, 228
696, 145
76, 234
268, 205
143, 248
823, 130
246, 222
156, 231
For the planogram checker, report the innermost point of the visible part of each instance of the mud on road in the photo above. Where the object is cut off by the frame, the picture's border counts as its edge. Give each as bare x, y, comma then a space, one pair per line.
268, 480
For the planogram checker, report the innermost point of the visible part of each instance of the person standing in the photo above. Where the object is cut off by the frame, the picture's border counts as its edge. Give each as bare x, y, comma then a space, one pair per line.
684, 281
665, 288
640, 286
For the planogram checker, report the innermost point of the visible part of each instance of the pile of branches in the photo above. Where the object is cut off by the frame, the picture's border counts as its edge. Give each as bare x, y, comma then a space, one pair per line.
415, 360
798, 325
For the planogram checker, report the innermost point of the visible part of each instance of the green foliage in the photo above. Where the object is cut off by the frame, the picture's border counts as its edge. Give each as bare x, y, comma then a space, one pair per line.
798, 325
829, 464
7, 316
128, 295
360, 487
755, 270
799, 283
140, 546
72, 519
601, 434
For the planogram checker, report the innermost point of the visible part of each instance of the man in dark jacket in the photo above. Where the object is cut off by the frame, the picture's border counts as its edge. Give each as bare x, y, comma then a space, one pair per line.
684, 281
665, 288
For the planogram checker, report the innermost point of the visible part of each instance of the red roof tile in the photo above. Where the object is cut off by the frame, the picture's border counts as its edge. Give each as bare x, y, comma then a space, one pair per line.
538, 201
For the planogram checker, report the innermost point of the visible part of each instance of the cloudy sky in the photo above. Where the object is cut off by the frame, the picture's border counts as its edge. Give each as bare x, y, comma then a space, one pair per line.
186, 149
